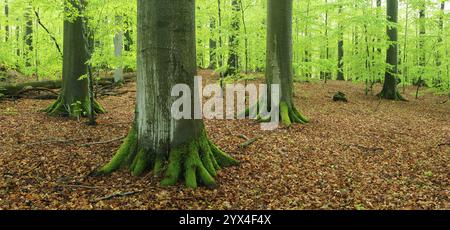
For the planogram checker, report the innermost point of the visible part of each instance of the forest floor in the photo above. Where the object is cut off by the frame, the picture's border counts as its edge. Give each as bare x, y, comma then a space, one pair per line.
364, 154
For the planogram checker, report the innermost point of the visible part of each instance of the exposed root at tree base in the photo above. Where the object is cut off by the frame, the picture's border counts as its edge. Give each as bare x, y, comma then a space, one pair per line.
197, 161
396, 97
77, 109
288, 115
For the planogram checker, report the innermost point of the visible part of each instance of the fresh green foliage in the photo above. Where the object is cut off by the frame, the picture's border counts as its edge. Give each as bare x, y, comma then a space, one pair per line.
317, 27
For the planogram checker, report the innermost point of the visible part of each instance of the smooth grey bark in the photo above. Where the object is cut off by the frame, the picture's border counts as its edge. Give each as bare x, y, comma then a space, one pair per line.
118, 47
7, 21
405, 46
244, 24
422, 52
233, 59
166, 57
219, 26
326, 75
307, 58
422, 32
390, 82
17, 29
279, 47
279, 58
28, 36
340, 74
440, 41
212, 45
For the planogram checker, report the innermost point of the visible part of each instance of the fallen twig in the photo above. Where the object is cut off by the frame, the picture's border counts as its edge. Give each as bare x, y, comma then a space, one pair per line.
443, 144
118, 194
79, 186
243, 137
53, 141
248, 142
103, 142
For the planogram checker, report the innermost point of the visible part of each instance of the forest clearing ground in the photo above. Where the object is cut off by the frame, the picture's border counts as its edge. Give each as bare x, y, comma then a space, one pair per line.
365, 154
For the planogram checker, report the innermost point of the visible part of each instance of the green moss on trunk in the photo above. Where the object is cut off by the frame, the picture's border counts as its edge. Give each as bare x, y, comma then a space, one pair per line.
73, 109
288, 115
196, 162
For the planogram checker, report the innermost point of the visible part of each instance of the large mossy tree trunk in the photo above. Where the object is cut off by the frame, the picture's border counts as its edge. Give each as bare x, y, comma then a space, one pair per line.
390, 91
74, 100
279, 58
157, 142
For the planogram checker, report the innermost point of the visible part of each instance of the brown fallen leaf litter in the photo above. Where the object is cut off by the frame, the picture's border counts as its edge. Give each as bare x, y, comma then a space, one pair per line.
365, 154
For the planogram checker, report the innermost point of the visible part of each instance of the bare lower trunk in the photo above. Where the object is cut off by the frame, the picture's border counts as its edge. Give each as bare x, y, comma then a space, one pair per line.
390, 83
118, 47
279, 58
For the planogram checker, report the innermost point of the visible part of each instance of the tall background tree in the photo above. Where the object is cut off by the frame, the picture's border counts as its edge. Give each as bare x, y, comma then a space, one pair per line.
74, 99
233, 58
389, 90
340, 72
279, 58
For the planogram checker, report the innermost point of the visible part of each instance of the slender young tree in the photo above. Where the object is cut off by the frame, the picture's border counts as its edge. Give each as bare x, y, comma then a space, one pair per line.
326, 75
307, 55
440, 41
7, 21
244, 24
28, 36
118, 48
390, 91
127, 35
340, 74
405, 46
212, 44
18, 30
74, 100
422, 55
233, 59
167, 57
279, 58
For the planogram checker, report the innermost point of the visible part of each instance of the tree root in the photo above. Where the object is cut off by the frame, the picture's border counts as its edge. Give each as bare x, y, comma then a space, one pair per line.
197, 161
77, 109
288, 115
396, 97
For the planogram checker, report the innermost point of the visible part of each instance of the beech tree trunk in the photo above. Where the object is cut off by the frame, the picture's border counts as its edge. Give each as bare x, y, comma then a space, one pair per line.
233, 59
74, 100
340, 74
390, 82
279, 58
439, 79
212, 45
7, 21
28, 37
118, 47
167, 57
